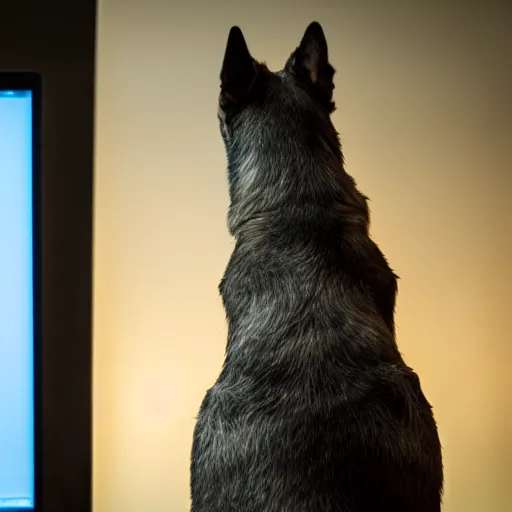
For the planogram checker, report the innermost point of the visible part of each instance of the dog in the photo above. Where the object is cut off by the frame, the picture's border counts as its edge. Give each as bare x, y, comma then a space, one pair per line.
314, 409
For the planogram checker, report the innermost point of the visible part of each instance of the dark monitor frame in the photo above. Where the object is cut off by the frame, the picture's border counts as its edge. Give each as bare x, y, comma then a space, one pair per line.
62, 292
32, 82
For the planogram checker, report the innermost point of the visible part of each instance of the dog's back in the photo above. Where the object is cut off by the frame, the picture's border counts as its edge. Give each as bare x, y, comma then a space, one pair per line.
314, 410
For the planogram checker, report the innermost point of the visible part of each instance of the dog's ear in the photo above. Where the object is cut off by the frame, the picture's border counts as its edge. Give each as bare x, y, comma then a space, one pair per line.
310, 61
239, 70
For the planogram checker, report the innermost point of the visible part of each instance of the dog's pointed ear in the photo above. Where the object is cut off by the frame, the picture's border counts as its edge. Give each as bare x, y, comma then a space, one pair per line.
310, 61
239, 69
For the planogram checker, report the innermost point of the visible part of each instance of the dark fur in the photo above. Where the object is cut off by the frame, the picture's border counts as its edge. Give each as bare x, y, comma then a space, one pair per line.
315, 409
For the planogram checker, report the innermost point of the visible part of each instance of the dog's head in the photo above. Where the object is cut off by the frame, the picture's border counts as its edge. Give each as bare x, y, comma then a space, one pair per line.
307, 72
281, 144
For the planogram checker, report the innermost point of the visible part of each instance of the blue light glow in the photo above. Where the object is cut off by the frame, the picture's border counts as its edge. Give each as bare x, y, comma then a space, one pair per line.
16, 303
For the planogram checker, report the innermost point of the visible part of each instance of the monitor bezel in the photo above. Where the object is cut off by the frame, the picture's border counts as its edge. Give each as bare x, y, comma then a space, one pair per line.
30, 81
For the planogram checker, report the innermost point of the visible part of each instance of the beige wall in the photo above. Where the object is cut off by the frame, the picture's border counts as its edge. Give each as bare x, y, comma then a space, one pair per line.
424, 119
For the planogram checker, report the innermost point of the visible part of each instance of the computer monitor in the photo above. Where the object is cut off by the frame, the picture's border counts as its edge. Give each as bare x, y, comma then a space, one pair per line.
20, 117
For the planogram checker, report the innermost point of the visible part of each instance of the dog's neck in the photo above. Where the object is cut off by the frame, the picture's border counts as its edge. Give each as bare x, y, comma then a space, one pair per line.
267, 175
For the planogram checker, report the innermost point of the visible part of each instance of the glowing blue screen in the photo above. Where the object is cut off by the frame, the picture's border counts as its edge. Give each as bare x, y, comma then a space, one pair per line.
16, 303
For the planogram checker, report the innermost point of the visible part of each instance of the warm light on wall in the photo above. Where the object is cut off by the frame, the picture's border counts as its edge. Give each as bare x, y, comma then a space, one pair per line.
416, 111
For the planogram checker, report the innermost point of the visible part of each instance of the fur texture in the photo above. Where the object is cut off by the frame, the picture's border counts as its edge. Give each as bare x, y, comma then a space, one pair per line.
314, 409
